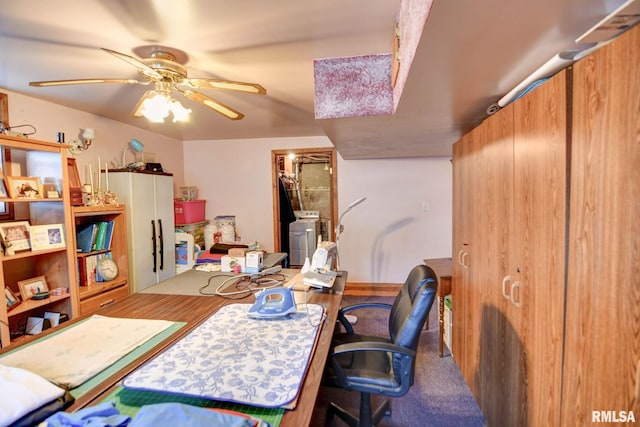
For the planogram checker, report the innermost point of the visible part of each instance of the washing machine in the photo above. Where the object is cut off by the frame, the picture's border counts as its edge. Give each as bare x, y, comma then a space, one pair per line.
303, 236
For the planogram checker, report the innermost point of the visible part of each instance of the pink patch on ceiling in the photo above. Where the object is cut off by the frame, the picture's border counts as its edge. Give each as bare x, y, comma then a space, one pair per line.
353, 87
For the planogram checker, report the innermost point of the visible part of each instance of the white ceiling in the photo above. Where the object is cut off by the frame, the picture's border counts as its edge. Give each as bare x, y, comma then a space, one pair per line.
471, 53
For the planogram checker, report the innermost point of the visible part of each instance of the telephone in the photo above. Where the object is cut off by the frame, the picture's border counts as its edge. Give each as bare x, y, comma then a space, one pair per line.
273, 302
324, 256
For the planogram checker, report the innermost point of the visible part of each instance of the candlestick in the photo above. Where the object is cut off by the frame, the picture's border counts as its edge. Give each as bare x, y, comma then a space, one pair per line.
99, 179
91, 176
106, 175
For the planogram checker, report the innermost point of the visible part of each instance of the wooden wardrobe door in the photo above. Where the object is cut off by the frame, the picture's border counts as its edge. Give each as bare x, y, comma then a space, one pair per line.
602, 339
538, 250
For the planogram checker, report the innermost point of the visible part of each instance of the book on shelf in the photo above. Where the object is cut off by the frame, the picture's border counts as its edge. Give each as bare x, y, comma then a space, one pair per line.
95, 236
85, 236
101, 236
109, 237
87, 268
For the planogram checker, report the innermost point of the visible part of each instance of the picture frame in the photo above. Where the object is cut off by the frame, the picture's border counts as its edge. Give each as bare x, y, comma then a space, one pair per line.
30, 287
75, 185
6, 208
4, 194
4, 110
11, 299
16, 235
24, 187
47, 236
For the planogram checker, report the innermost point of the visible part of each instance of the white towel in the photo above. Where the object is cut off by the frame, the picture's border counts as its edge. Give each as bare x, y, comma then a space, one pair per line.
22, 392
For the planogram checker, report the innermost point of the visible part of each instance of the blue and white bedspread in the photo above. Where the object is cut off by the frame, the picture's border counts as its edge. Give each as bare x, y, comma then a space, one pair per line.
235, 358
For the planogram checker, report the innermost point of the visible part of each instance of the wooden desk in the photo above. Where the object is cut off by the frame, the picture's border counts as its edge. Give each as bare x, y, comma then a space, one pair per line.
194, 310
442, 268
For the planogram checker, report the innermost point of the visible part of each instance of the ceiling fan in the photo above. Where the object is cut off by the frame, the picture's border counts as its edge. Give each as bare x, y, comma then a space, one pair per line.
163, 67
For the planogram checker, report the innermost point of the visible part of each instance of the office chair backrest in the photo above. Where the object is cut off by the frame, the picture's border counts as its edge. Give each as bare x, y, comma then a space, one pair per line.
411, 307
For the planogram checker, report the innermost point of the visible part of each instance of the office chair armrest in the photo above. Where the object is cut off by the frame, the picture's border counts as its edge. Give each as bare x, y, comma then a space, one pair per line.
373, 346
343, 320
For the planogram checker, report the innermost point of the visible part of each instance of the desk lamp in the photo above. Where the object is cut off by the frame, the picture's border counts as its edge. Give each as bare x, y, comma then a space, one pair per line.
340, 227
135, 146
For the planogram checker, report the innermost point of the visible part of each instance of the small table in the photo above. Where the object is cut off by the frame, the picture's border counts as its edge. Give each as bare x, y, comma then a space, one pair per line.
442, 268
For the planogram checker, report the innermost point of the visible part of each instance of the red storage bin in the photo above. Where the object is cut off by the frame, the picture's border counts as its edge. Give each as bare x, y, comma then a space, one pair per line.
188, 212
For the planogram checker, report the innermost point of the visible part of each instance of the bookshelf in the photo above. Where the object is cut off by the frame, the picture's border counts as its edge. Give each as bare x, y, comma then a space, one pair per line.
45, 161
92, 293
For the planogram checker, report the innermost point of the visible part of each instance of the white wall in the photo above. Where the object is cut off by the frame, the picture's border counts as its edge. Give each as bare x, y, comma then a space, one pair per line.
234, 177
405, 218
111, 136
383, 238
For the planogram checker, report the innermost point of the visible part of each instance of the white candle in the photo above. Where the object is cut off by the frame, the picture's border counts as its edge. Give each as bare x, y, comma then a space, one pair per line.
106, 175
99, 179
91, 177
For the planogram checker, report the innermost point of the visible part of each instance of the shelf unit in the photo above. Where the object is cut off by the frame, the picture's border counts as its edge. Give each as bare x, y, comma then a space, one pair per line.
93, 296
48, 162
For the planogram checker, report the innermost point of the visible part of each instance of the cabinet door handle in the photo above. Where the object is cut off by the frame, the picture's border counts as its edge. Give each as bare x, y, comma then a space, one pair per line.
161, 244
154, 245
465, 257
505, 282
460, 253
515, 287
107, 302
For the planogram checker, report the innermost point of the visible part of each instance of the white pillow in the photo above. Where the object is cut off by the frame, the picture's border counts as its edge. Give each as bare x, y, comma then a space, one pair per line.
22, 392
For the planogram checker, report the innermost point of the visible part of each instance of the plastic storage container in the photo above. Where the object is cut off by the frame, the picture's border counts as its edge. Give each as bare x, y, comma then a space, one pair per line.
188, 212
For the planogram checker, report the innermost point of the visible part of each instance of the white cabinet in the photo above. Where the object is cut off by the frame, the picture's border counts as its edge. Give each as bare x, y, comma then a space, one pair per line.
150, 225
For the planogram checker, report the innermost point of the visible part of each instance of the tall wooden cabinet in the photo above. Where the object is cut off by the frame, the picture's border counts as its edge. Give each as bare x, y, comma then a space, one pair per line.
48, 162
546, 242
148, 197
602, 336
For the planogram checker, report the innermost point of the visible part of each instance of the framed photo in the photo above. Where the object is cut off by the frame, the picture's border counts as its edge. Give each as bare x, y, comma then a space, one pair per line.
3, 187
48, 236
4, 110
24, 187
30, 287
6, 208
16, 235
11, 299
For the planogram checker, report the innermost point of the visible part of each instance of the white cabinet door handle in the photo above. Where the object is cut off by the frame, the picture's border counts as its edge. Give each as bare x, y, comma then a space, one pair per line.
460, 253
515, 287
465, 256
505, 283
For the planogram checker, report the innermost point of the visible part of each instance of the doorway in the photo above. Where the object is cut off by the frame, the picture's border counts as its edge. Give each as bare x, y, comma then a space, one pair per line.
304, 183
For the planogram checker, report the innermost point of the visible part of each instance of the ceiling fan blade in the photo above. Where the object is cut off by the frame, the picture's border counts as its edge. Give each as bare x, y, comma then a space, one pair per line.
227, 85
212, 103
84, 81
147, 70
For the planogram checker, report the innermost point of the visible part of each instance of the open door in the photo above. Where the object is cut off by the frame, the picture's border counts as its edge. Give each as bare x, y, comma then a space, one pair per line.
304, 183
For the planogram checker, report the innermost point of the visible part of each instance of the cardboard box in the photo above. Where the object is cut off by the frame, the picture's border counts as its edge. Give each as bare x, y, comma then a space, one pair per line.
227, 263
188, 212
238, 252
253, 262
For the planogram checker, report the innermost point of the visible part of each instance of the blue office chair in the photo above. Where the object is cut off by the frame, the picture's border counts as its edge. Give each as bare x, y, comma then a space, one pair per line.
381, 365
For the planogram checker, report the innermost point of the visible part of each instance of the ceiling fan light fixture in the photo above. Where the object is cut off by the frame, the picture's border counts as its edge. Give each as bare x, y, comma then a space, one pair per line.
180, 113
155, 108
